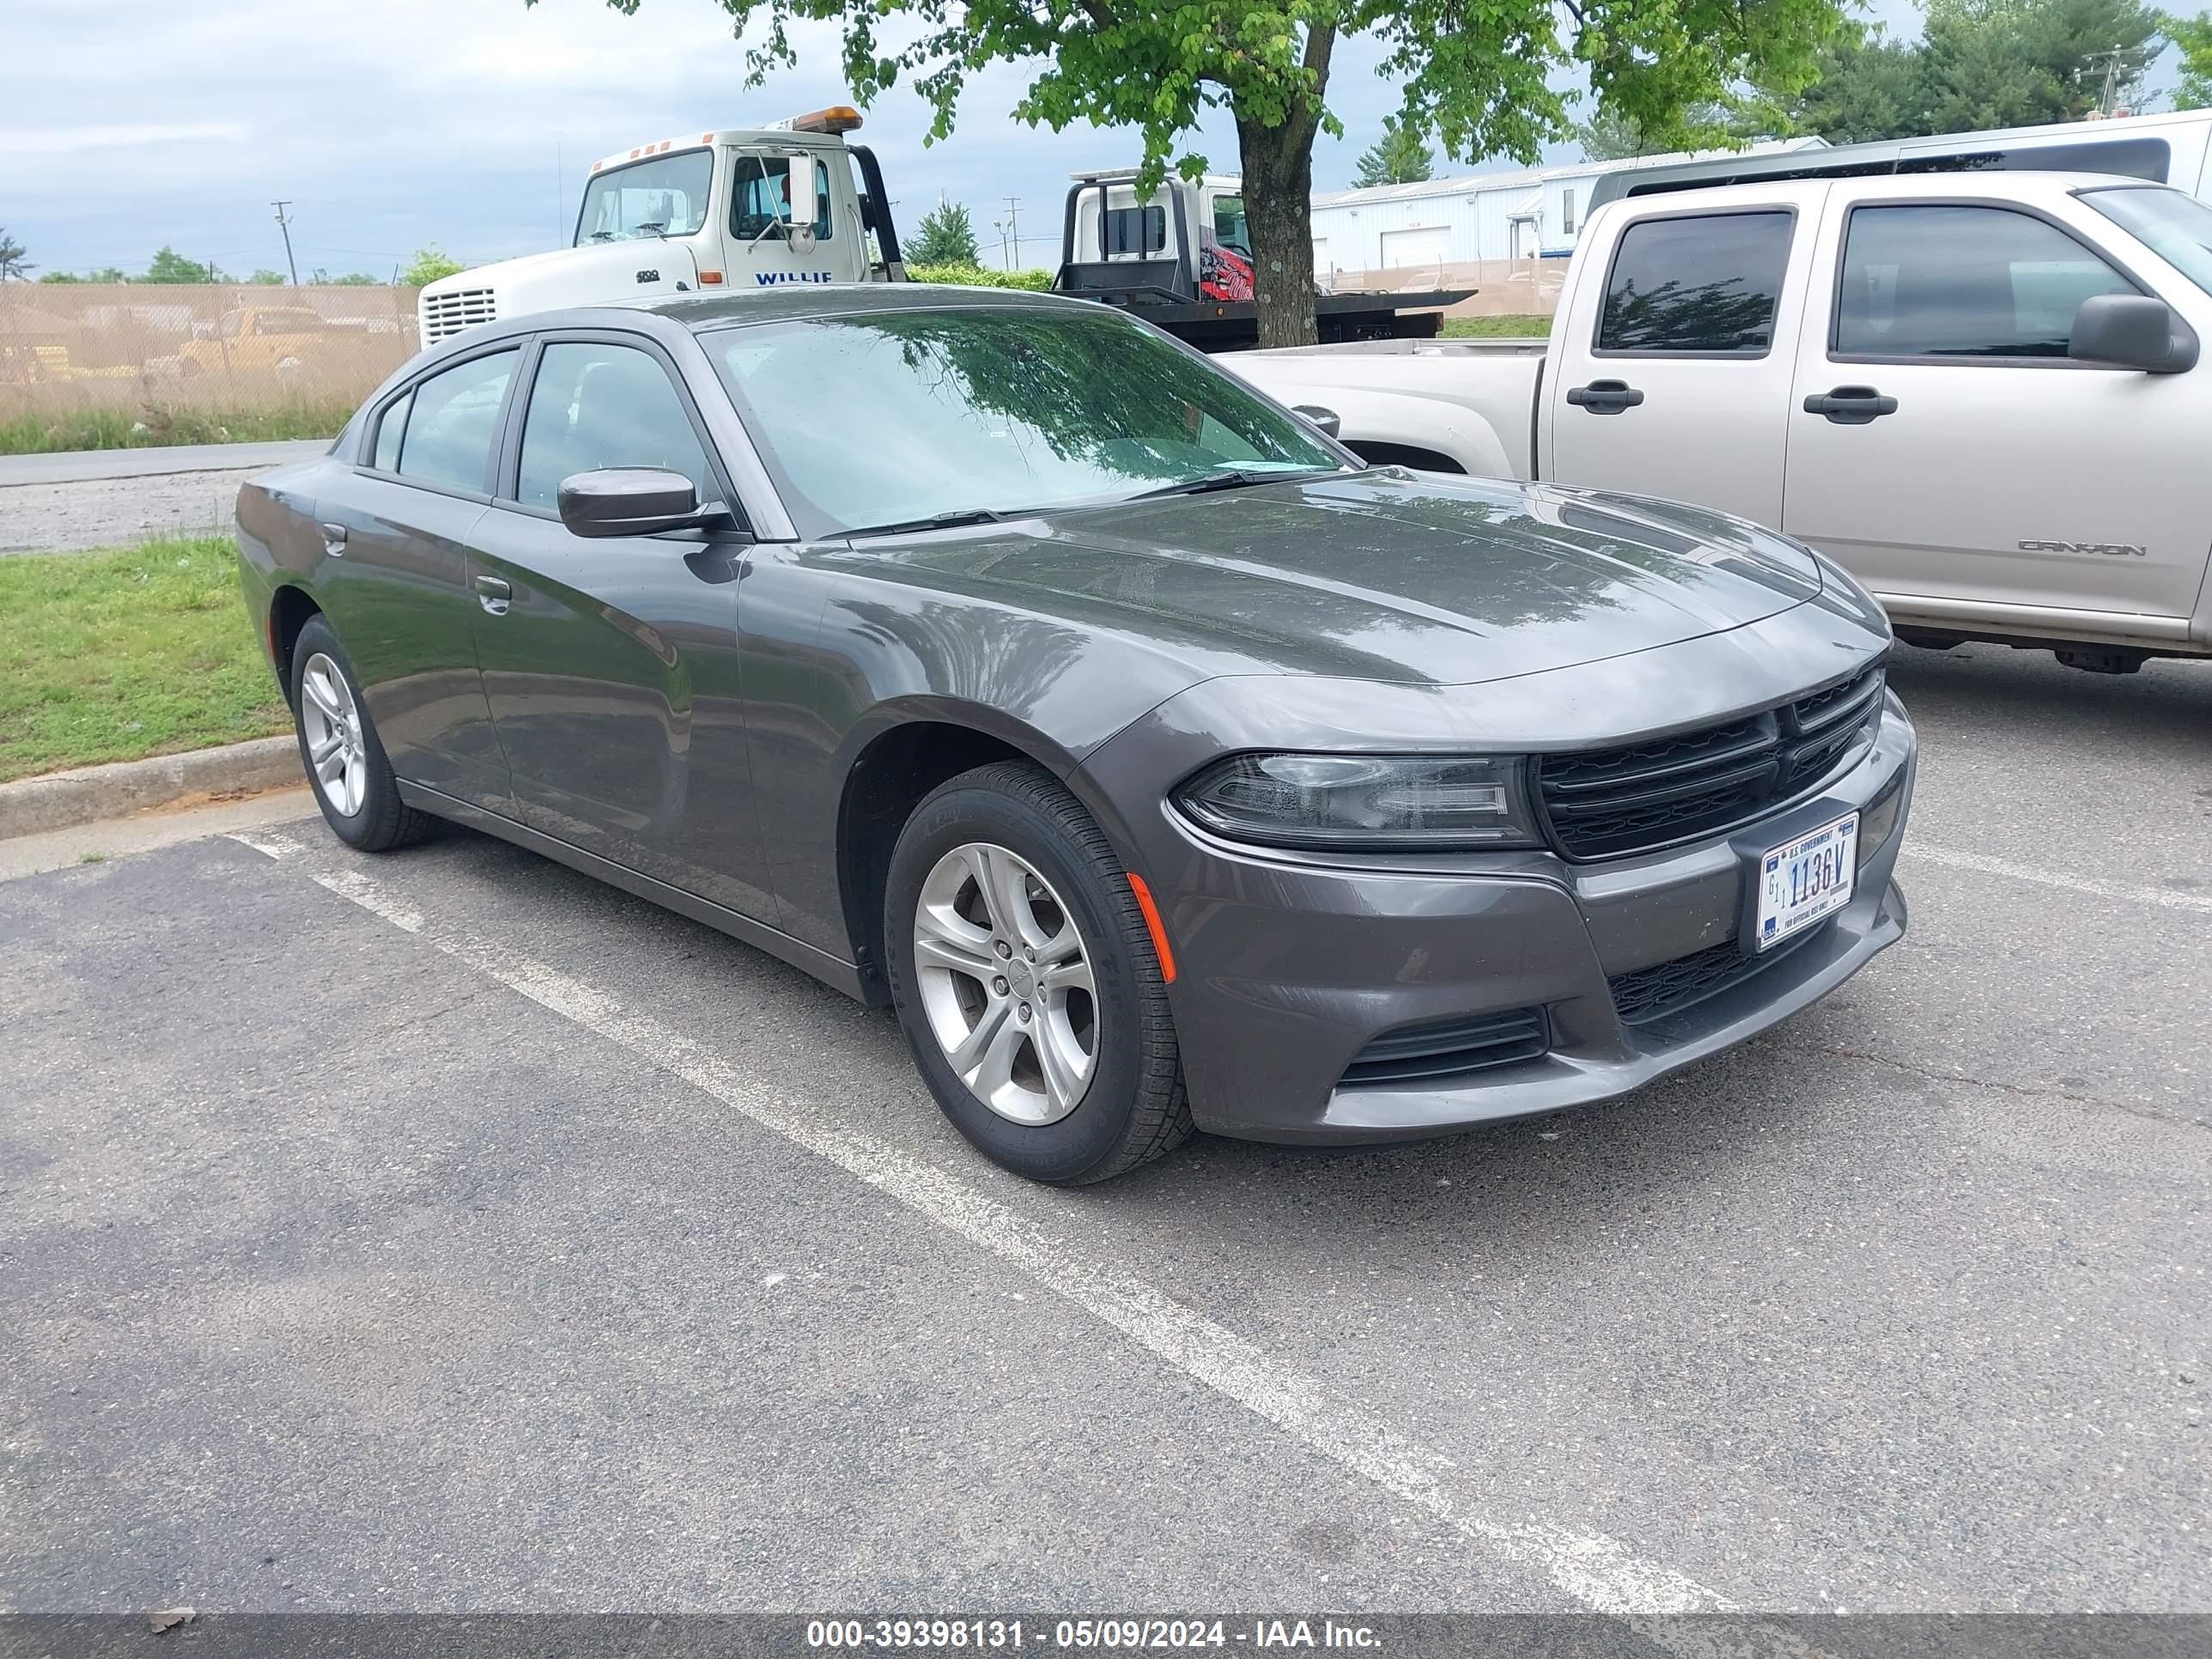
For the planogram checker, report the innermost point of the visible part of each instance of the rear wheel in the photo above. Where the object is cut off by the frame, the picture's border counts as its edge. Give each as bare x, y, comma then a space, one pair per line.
338, 745
1027, 983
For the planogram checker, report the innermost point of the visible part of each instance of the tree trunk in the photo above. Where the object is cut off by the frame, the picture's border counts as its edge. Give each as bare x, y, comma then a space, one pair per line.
1278, 207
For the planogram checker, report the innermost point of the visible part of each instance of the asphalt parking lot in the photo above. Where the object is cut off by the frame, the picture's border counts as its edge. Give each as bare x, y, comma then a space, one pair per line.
447, 1231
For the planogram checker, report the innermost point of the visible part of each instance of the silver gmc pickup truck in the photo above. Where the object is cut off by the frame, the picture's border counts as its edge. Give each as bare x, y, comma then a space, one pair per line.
1980, 392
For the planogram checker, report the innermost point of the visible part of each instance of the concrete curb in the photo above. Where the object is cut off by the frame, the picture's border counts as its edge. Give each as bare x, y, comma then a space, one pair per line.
59, 799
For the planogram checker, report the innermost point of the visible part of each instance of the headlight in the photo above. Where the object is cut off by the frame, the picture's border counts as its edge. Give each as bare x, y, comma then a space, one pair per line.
1379, 801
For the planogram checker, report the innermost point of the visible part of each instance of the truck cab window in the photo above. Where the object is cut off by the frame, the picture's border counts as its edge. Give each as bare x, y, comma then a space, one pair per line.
1138, 230
1938, 280
1229, 228
666, 195
770, 190
1703, 283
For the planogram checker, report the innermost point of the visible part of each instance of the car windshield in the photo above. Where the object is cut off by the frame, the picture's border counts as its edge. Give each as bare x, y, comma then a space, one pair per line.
664, 197
894, 417
2178, 227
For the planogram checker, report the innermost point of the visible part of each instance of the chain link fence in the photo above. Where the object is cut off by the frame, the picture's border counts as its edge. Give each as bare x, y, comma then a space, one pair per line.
139, 349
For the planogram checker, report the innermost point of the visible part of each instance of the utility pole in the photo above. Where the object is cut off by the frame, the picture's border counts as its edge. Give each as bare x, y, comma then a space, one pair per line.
1013, 231
285, 225
2112, 61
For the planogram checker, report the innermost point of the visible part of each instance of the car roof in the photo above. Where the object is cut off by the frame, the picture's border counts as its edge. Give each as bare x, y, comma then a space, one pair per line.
795, 302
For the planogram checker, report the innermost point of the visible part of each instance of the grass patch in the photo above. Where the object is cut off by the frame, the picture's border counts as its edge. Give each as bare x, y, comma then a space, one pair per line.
1496, 328
170, 423
118, 655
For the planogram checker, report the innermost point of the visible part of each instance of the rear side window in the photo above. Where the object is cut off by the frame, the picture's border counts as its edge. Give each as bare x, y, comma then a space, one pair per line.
596, 405
1930, 281
454, 424
1703, 283
1138, 230
389, 431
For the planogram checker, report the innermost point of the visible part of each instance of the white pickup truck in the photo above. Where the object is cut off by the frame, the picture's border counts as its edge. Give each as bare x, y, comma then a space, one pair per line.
1978, 392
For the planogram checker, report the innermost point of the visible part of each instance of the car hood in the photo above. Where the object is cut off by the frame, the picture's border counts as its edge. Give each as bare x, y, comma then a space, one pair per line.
1384, 574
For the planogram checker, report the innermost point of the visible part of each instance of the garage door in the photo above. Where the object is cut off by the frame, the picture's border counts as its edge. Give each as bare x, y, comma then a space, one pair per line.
1429, 247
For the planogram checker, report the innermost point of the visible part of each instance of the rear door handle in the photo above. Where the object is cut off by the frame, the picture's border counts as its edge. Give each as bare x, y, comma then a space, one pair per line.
1605, 397
493, 594
1851, 405
334, 540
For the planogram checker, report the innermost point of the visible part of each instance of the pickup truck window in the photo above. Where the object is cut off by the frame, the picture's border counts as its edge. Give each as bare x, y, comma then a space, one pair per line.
664, 197
2175, 226
1703, 283
1931, 280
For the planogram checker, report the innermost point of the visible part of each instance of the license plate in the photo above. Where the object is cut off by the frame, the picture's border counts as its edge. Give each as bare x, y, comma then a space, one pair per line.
1808, 878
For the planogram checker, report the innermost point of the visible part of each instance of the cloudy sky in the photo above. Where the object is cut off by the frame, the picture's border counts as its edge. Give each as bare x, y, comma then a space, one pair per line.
389, 123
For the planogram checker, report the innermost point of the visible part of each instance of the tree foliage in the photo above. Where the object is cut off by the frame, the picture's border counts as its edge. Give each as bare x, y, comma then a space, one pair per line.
167, 266
429, 265
1478, 78
2192, 37
14, 267
1983, 63
103, 274
1400, 158
944, 237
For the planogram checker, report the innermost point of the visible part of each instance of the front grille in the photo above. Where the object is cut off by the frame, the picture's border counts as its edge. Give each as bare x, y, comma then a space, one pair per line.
1607, 802
1440, 1048
1645, 994
448, 313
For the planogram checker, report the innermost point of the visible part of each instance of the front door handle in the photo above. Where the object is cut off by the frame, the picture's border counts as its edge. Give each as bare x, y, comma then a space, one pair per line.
1851, 405
334, 540
493, 595
1605, 397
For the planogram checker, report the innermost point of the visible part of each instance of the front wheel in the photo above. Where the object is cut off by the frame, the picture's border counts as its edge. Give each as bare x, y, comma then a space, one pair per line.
1027, 983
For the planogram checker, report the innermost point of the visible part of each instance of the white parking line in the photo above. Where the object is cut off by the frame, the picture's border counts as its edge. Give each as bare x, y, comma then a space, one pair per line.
1594, 1569
2166, 901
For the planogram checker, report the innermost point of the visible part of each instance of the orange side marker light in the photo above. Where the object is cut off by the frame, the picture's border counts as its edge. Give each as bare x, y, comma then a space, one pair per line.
1152, 926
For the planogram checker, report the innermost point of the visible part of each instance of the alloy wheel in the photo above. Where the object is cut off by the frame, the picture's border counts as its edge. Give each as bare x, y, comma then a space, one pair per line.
1005, 983
331, 724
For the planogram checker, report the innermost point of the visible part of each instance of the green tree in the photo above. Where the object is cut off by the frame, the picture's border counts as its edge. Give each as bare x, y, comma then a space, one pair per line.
1870, 87
104, 274
1399, 159
13, 265
351, 279
2192, 37
429, 265
267, 278
169, 265
1478, 78
944, 237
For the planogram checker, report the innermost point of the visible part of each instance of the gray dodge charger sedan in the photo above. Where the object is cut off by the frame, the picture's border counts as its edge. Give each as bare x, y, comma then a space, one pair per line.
994, 658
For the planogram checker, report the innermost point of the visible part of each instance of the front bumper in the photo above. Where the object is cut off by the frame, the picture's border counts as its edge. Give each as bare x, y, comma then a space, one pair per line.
1290, 967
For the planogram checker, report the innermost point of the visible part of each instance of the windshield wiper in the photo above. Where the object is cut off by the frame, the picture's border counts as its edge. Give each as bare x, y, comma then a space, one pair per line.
952, 520
1235, 479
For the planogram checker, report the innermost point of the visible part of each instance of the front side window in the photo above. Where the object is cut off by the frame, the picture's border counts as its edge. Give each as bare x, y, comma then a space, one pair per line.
2178, 227
1703, 283
767, 191
454, 424
666, 195
1923, 279
1229, 228
890, 417
596, 405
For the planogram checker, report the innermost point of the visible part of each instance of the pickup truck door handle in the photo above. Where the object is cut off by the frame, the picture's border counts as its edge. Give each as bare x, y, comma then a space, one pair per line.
1605, 397
1851, 405
493, 594
334, 539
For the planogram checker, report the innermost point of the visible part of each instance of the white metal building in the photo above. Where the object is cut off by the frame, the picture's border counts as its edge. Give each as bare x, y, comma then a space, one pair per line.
1486, 215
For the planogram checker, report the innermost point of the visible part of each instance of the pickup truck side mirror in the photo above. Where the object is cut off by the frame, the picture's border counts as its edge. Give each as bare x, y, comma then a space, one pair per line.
2132, 330
1326, 419
633, 500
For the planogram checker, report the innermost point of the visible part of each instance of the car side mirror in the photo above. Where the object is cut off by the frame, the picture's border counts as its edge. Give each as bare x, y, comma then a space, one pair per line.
634, 501
2132, 330
1326, 419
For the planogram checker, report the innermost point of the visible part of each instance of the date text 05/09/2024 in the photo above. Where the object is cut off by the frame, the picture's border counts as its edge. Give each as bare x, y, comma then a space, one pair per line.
1110, 1635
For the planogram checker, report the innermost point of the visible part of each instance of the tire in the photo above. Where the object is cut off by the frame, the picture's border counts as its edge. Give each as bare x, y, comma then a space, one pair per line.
1014, 826
361, 798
